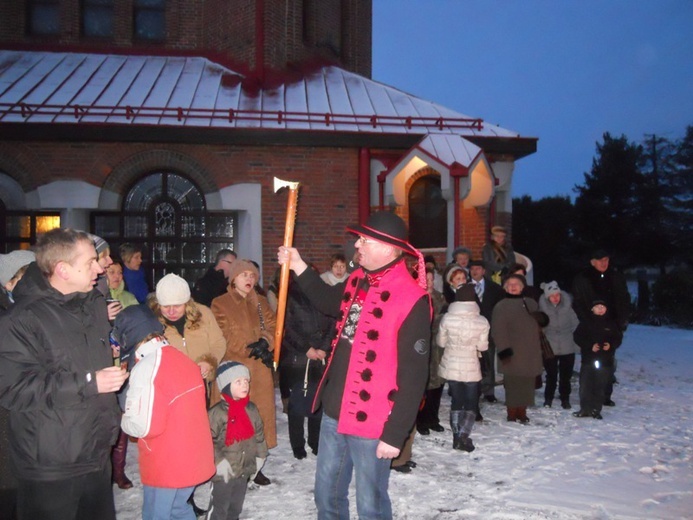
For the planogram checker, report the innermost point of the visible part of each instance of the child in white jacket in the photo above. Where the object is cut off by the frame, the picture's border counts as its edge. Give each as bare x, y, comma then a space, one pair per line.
463, 335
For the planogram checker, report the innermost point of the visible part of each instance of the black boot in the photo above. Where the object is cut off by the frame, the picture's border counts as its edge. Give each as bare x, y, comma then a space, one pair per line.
456, 427
467, 425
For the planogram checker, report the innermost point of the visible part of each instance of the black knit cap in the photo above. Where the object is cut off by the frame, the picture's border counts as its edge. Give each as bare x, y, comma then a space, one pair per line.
132, 325
386, 227
466, 293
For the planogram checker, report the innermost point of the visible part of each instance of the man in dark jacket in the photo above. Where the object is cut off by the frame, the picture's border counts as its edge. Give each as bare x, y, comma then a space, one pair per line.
216, 280
600, 281
57, 379
489, 293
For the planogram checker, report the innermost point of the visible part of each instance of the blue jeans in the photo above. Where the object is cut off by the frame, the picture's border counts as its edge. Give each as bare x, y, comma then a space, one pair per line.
465, 396
338, 456
167, 503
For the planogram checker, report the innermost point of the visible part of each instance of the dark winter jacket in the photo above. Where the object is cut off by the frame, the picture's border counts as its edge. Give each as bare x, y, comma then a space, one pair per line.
212, 284
590, 285
516, 334
600, 330
52, 345
306, 327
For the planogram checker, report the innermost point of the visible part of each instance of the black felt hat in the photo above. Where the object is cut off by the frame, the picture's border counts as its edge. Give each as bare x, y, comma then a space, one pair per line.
385, 227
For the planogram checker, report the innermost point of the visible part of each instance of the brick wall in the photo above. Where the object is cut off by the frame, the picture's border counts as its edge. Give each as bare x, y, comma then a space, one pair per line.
294, 30
328, 198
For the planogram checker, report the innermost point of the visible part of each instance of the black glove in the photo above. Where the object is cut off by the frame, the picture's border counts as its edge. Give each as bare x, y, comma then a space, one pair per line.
260, 350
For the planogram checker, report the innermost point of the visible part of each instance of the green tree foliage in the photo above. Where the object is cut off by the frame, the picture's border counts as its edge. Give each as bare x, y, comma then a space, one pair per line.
542, 230
608, 205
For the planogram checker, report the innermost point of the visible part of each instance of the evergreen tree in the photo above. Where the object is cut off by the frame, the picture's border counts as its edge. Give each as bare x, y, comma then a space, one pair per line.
542, 230
607, 207
680, 201
655, 233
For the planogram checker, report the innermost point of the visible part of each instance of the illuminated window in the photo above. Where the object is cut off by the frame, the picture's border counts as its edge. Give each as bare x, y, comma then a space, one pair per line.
20, 228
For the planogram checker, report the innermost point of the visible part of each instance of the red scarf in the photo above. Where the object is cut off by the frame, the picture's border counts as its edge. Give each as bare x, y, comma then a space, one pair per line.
239, 427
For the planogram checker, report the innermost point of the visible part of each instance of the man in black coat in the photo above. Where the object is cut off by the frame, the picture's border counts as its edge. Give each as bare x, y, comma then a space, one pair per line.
489, 293
58, 381
600, 281
215, 281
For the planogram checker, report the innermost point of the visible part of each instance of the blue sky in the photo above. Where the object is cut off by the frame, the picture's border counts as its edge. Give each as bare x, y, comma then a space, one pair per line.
565, 71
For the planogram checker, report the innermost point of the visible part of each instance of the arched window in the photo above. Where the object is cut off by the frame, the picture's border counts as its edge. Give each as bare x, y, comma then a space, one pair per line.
428, 223
166, 213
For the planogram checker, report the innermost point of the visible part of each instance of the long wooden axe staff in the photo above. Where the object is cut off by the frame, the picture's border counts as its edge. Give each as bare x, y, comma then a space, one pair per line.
284, 278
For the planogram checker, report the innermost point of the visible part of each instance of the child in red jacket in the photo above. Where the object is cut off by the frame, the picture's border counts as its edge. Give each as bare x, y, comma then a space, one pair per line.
165, 407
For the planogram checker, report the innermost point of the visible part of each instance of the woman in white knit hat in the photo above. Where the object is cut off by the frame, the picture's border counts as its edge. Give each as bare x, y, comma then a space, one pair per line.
189, 326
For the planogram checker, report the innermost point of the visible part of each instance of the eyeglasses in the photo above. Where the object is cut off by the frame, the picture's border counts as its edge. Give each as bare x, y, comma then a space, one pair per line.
364, 240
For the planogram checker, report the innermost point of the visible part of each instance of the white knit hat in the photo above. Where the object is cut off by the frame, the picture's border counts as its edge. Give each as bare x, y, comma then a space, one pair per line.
13, 262
172, 290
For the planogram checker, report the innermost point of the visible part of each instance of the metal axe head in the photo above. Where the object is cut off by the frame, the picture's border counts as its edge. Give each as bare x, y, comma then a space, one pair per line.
279, 184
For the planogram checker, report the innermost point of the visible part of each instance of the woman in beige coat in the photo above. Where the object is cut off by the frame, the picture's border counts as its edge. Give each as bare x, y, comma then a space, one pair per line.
248, 324
189, 326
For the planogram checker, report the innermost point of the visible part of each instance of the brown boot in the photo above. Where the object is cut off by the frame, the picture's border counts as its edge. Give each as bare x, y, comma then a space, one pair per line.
118, 461
512, 414
522, 415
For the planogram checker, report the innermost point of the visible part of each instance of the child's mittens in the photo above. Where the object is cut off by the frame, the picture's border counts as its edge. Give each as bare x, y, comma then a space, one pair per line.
224, 470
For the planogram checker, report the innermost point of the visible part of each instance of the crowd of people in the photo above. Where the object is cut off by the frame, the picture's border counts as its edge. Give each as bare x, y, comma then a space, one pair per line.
92, 356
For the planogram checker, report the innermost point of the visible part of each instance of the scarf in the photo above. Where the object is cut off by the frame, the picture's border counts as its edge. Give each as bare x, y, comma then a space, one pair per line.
500, 255
238, 427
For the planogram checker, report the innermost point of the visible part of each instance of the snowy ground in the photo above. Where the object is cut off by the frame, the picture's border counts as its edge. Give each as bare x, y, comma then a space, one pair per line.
636, 463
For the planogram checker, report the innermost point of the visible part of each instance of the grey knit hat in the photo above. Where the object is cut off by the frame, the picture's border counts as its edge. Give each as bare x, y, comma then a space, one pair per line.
550, 288
99, 244
228, 372
13, 262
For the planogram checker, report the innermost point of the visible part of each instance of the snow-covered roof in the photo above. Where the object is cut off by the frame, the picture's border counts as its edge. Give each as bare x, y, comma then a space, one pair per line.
71, 88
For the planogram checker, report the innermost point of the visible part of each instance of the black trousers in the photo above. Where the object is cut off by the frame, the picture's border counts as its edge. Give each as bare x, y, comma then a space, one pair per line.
86, 497
428, 415
593, 384
559, 370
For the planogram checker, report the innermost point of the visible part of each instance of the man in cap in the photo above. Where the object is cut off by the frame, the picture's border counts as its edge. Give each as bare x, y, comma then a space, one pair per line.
57, 379
600, 281
376, 377
489, 294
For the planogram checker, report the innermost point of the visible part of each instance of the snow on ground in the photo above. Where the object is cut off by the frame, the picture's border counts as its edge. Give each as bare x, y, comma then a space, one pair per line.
635, 464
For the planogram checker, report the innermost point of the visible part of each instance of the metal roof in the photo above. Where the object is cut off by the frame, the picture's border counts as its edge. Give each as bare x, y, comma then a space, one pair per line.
111, 89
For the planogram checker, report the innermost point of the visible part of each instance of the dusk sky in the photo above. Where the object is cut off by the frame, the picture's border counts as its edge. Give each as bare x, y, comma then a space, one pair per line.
565, 71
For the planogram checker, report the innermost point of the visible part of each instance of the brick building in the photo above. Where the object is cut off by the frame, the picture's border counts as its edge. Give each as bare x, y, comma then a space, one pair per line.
164, 122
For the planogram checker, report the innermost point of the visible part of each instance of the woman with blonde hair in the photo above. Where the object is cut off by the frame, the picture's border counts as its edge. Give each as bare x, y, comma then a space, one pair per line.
189, 326
248, 324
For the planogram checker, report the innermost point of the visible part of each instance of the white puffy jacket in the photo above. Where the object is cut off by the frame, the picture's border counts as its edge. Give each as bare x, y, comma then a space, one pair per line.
463, 334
